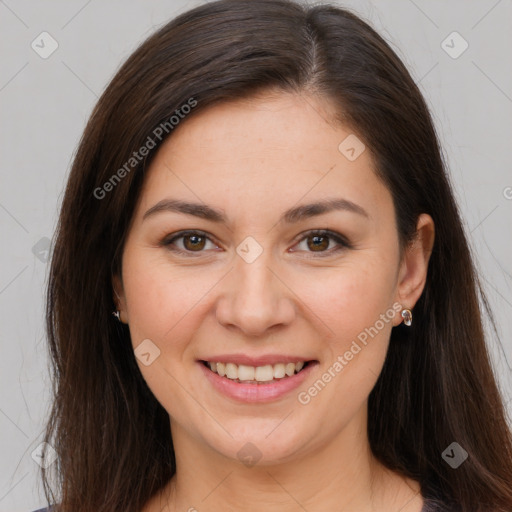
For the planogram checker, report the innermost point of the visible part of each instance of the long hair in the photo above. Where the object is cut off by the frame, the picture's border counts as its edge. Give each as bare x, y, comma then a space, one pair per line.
437, 385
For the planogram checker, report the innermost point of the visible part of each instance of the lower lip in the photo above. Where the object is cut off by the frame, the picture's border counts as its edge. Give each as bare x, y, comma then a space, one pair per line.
251, 393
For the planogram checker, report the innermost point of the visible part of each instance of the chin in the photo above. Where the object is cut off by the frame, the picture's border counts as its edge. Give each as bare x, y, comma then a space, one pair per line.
263, 442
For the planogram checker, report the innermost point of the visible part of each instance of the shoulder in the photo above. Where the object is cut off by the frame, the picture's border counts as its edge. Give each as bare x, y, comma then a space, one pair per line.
44, 510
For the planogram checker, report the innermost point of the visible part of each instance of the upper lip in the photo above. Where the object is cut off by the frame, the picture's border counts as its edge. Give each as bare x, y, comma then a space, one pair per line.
263, 360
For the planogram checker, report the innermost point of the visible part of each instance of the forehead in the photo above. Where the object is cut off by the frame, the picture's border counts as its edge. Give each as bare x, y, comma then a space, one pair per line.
271, 150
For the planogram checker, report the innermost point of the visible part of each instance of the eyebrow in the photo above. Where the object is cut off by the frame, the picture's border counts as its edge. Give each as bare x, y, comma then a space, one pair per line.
293, 215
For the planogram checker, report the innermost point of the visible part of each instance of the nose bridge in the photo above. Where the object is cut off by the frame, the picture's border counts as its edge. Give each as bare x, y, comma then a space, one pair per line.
253, 280
255, 299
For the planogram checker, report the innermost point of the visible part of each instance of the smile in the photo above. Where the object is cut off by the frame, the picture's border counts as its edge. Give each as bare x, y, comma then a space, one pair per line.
255, 374
256, 384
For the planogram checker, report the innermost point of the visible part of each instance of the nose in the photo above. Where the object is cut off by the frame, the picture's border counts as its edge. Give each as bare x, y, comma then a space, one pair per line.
255, 298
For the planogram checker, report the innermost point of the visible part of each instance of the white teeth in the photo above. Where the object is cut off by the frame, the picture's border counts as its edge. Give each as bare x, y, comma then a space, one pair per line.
231, 371
279, 371
253, 374
246, 372
290, 369
221, 369
264, 373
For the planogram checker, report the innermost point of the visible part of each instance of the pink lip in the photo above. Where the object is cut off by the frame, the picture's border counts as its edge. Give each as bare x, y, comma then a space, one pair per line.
256, 393
255, 361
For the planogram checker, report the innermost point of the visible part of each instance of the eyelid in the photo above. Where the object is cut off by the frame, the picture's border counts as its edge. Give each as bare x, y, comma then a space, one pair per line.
169, 240
342, 241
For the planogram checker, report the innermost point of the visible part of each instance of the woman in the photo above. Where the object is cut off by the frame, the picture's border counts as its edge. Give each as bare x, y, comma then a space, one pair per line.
259, 198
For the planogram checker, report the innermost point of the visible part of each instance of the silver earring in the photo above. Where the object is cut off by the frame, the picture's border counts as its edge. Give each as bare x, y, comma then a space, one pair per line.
407, 316
117, 315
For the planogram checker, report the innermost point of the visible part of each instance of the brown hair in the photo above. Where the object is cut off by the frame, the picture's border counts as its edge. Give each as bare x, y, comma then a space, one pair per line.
437, 385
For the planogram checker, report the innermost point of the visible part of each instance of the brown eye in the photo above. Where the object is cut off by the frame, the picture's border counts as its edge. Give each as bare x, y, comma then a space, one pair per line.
318, 242
191, 243
194, 242
323, 242
188, 243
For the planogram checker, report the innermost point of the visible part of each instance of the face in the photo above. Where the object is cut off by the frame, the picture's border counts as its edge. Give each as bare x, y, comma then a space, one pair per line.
225, 263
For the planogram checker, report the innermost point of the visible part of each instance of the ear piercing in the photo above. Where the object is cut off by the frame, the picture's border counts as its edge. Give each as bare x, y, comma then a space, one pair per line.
407, 316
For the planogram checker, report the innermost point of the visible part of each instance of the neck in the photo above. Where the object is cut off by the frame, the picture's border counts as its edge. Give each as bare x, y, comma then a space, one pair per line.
342, 475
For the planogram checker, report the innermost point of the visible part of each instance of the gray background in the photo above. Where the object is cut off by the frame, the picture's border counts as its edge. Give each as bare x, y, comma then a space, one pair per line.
46, 102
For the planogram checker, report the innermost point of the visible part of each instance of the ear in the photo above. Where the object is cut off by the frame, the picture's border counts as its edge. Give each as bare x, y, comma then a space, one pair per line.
412, 274
119, 298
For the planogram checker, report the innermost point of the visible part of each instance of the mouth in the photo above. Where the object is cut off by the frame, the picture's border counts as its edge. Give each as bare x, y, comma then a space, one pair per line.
257, 375
259, 378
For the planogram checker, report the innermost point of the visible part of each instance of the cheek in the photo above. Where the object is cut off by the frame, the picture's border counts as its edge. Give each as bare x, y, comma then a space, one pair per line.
355, 302
352, 297
163, 307
158, 295
167, 306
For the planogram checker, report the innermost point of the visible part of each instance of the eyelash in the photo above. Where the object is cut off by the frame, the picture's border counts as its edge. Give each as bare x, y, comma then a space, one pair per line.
336, 237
